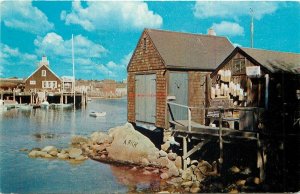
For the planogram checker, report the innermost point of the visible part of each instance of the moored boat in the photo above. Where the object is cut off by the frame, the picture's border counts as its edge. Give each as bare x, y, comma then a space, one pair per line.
97, 114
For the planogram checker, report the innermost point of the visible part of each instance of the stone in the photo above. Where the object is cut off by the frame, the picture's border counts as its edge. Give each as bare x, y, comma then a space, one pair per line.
256, 180
145, 161
80, 158
246, 171
188, 161
103, 156
235, 169
178, 162
173, 171
99, 148
156, 171
176, 179
164, 175
152, 158
62, 156
133, 168
53, 153
187, 174
100, 137
163, 161
34, 153
78, 140
162, 153
199, 176
146, 172
195, 190
129, 145
172, 156
47, 155
187, 184
63, 151
74, 152
204, 167
233, 191
240, 182
165, 146
23, 150
48, 149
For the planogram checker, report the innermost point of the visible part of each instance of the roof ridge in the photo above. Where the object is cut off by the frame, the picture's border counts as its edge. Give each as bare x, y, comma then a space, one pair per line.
186, 33
274, 51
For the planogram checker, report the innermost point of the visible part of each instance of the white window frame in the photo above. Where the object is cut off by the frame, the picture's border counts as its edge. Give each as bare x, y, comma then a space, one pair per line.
32, 82
44, 73
49, 84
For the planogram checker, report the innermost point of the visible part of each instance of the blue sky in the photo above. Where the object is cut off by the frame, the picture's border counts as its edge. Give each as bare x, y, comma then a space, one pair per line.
106, 33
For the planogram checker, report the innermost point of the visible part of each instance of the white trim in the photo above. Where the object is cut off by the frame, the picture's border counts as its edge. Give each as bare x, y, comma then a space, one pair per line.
32, 82
49, 84
39, 68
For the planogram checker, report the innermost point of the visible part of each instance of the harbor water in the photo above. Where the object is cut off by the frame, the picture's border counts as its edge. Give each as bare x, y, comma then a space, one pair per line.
29, 129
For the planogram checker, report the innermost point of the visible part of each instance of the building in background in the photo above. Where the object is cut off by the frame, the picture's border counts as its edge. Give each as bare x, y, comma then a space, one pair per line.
43, 79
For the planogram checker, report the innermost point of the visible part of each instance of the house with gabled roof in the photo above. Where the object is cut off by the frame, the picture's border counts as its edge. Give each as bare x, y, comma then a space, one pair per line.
267, 80
171, 65
43, 79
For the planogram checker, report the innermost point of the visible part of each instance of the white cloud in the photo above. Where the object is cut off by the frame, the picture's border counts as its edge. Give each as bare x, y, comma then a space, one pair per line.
12, 59
59, 51
22, 15
113, 70
228, 29
111, 15
236, 9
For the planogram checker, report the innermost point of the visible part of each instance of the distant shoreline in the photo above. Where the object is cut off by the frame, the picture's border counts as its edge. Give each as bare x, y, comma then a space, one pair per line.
106, 98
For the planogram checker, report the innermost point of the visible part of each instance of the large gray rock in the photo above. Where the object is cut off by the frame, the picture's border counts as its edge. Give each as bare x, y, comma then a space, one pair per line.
129, 145
99, 138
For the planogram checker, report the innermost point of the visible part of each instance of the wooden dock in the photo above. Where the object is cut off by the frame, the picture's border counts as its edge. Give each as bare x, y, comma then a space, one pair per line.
189, 130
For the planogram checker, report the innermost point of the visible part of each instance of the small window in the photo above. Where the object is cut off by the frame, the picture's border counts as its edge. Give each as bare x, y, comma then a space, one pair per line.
44, 84
238, 66
44, 73
32, 82
145, 44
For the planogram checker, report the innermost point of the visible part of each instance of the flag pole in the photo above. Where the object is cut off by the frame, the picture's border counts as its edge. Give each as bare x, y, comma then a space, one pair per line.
73, 70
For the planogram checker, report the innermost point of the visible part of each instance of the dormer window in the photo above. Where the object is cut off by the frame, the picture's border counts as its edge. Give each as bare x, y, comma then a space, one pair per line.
43, 73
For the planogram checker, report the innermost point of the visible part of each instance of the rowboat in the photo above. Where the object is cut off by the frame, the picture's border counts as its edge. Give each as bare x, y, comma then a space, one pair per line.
97, 114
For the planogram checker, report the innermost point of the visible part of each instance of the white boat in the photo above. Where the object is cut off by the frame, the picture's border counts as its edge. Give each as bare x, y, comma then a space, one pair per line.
45, 104
62, 105
97, 114
89, 99
26, 107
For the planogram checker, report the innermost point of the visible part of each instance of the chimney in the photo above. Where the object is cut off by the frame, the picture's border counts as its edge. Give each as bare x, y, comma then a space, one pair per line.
211, 32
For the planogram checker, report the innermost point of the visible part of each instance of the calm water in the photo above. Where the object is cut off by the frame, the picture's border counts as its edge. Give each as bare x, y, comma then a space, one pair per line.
19, 173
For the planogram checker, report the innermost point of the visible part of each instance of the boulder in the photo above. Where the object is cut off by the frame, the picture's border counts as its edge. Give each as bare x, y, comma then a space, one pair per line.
48, 149
79, 140
187, 184
163, 161
178, 162
172, 156
146, 172
165, 146
162, 153
235, 169
195, 190
129, 145
34, 153
62, 156
187, 174
53, 153
164, 175
100, 137
80, 158
74, 152
204, 167
173, 171
145, 161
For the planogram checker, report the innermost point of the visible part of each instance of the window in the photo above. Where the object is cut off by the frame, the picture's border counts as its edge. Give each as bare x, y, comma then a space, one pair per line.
44, 73
238, 66
32, 82
49, 84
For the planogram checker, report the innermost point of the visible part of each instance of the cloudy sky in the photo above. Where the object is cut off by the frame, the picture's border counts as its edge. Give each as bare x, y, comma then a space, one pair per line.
106, 33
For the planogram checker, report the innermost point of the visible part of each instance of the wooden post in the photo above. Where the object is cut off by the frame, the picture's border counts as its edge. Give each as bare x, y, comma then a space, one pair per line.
220, 140
20, 99
66, 99
189, 119
31, 98
267, 91
184, 153
260, 159
14, 95
61, 98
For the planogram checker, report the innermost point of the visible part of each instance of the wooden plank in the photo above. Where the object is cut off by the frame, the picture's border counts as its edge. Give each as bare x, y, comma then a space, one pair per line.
196, 148
184, 153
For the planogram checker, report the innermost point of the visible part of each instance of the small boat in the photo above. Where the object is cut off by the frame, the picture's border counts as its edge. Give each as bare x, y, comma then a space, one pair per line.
97, 114
26, 107
62, 105
45, 104
89, 99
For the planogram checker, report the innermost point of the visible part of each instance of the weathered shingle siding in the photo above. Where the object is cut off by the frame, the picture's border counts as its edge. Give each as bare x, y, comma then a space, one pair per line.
197, 94
145, 61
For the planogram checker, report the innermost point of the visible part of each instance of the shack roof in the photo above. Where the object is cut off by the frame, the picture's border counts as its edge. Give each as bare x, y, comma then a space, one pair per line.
275, 61
190, 51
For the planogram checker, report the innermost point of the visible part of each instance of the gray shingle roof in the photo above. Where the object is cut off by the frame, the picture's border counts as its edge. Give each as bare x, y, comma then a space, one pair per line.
275, 61
190, 51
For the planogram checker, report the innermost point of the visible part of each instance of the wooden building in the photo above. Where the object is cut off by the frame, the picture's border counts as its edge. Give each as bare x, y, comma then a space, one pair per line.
43, 79
171, 65
267, 81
